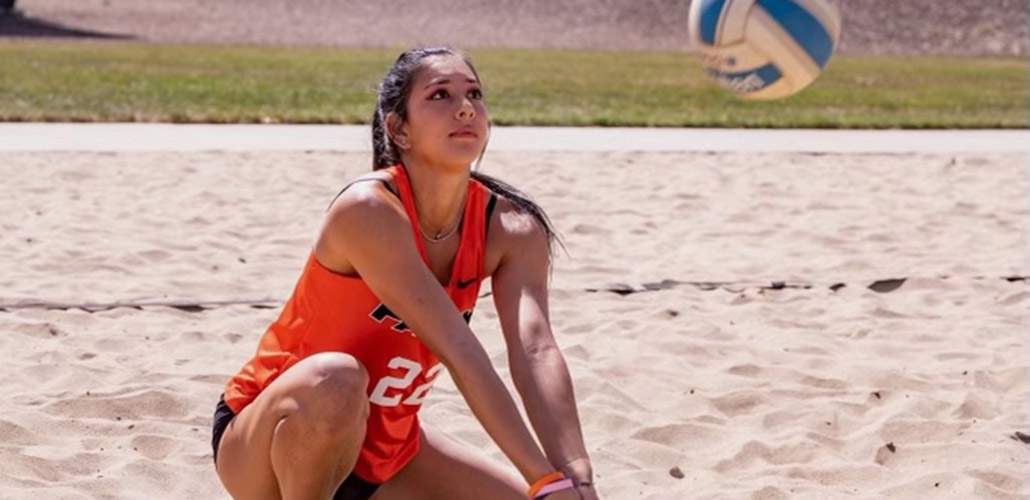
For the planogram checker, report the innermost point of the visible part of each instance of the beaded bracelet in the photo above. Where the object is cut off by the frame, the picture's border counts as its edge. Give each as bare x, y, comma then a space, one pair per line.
564, 484
544, 481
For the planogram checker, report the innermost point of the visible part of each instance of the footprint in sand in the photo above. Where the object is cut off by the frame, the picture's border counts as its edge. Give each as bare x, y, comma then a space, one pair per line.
682, 436
127, 404
41, 330
154, 447
14, 434
998, 480
769, 493
1014, 299
975, 407
754, 452
739, 403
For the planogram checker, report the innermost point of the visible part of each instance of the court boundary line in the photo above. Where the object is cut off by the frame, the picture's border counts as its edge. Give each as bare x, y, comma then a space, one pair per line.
160, 137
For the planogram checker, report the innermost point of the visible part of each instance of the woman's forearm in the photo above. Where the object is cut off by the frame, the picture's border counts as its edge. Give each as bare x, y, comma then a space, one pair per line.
547, 392
493, 406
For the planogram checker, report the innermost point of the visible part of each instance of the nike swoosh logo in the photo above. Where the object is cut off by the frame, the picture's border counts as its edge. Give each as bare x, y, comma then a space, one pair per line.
466, 283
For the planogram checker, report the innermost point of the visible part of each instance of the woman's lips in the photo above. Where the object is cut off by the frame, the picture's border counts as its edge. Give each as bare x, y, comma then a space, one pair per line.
465, 134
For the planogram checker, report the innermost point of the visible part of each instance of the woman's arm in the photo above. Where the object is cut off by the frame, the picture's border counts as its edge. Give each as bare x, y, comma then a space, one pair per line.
371, 231
537, 366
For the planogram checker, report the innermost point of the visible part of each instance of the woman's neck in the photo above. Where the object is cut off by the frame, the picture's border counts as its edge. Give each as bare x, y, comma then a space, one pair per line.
439, 194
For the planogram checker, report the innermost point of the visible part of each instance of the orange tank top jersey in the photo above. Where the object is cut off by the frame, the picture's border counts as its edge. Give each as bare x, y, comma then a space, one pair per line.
332, 312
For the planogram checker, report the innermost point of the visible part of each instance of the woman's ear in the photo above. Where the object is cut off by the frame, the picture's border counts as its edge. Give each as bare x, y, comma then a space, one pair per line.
396, 131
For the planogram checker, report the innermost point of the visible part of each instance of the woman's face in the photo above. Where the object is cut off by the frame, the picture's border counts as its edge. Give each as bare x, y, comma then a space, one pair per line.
447, 121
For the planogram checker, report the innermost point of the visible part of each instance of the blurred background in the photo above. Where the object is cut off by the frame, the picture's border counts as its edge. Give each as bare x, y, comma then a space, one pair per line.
900, 64
949, 27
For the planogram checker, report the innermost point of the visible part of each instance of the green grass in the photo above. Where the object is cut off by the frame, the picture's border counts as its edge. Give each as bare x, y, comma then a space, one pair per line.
48, 81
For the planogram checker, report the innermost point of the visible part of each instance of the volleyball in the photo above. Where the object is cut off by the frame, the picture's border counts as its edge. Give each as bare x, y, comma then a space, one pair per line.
764, 49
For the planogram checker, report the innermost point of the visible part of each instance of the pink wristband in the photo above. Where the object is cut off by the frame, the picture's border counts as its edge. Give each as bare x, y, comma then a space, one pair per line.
564, 484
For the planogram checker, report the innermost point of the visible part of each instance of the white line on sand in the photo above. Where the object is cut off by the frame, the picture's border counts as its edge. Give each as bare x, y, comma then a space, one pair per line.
202, 137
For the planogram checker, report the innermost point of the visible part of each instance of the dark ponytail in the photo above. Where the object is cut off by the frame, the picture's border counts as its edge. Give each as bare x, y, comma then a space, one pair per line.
392, 96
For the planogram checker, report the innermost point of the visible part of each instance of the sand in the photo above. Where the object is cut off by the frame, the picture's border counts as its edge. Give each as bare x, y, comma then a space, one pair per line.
745, 355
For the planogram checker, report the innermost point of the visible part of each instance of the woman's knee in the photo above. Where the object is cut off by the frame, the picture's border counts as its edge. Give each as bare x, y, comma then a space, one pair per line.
339, 372
323, 395
336, 388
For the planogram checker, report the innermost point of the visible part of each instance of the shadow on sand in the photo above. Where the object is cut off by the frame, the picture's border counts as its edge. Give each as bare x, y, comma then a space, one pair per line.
16, 24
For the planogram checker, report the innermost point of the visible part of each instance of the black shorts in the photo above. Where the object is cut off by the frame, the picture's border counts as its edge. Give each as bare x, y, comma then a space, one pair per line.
353, 488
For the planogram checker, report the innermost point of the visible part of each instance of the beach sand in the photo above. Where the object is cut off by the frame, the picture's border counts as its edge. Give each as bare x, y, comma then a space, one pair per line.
745, 355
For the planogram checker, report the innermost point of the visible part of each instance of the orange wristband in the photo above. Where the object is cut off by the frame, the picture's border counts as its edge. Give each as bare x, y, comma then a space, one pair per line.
544, 481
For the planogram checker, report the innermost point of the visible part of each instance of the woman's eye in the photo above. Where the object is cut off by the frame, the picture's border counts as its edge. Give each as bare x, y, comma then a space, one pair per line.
474, 93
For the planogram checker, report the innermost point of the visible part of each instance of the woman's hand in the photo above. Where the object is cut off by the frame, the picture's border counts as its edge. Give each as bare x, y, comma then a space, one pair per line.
587, 492
581, 471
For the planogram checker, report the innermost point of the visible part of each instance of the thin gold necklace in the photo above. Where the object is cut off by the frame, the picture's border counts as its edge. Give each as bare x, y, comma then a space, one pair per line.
440, 237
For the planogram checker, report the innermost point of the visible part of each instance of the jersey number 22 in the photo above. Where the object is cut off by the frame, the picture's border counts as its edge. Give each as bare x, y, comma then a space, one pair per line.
379, 396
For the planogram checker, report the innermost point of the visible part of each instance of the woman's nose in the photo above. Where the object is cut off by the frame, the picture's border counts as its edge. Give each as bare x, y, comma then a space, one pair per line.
466, 111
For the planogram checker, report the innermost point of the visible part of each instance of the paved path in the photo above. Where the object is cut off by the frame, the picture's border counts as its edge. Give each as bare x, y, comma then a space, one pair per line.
169, 137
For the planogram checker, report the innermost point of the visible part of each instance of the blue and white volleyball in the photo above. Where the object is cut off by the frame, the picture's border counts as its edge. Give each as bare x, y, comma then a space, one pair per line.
764, 49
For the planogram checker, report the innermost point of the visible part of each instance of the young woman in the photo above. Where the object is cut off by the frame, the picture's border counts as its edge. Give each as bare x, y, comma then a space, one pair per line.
327, 408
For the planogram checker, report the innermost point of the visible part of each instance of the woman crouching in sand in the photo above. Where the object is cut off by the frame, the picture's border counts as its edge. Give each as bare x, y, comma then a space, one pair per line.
328, 407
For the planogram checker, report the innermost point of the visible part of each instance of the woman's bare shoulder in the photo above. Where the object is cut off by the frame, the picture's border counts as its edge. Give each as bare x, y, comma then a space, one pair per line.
374, 183
364, 204
513, 232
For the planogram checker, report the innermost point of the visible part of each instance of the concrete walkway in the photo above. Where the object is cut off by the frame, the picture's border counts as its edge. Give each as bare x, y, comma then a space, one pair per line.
168, 137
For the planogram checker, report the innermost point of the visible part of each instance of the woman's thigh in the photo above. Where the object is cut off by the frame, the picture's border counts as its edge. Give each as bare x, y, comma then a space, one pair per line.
444, 469
244, 453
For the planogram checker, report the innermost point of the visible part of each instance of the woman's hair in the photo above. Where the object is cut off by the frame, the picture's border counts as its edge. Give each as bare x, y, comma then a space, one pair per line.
392, 97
